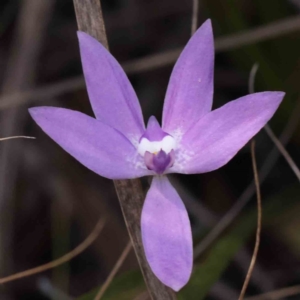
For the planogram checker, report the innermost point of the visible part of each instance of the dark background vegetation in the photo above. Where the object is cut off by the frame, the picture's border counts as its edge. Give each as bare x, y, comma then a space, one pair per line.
49, 203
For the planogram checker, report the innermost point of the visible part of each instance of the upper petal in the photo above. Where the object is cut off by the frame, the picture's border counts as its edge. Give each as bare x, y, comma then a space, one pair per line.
217, 137
190, 91
166, 234
112, 97
96, 145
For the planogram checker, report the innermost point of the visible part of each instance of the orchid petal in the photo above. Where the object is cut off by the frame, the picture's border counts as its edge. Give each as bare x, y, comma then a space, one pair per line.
113, 99
96, 145
217, 137
166, 234
190, 91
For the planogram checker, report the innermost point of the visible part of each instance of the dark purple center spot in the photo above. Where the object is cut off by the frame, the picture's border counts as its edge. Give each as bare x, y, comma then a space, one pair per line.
160, 161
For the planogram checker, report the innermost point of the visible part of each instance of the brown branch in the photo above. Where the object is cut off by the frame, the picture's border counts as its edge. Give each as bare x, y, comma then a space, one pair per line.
114, 271
130, 193
259, 217
42, 93
230, 42
57, 262
157, 60
90, 20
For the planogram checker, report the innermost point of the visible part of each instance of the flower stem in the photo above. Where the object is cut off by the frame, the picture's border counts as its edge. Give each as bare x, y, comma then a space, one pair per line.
130, 193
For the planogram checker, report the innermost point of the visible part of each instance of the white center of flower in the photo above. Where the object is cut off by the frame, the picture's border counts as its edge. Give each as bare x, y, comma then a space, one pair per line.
167, 144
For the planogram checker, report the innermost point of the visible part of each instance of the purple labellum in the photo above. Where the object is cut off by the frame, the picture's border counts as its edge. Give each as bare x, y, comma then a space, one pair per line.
159, 162
192, 139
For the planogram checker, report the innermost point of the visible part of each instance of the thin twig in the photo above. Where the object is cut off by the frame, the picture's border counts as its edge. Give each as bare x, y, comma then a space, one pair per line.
16, 137
158, 60
259, 217
114, 271
283, 151
195, 16
65, 258
252, 76
277, 294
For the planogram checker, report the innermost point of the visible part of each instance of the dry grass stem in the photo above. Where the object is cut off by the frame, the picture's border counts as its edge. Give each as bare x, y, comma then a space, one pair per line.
252, 76
114, 271
57, 262
277, 294
16, 137
259, 218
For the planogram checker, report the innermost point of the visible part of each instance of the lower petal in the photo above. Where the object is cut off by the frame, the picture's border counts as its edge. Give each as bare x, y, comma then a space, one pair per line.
166, 234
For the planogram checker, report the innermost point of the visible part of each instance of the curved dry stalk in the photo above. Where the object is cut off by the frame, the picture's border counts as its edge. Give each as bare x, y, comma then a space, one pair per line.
65, 258
16, 137
283, 151
234, 211
114, 271
259, 218
268, 129
252, 76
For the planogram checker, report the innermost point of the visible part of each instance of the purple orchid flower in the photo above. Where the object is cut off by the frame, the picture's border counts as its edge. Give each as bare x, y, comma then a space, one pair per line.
192, 139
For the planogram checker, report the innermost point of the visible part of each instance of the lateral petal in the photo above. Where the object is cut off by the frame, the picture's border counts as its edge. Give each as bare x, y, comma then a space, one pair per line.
166, 234
190, 91
96, 145
112, 97
219, 135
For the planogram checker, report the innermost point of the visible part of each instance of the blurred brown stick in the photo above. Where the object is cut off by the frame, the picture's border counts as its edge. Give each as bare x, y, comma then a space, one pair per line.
154, 61
57, 262
19, 74
131, 197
